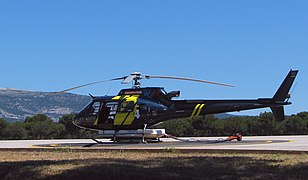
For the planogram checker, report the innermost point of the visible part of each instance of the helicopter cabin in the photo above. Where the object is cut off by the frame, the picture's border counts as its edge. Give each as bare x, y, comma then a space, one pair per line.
101, 112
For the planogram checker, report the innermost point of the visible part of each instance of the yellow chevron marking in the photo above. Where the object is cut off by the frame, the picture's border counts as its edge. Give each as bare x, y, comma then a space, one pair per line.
121, 97
193, 113
199, 111
119, 118
116, 97
126, 118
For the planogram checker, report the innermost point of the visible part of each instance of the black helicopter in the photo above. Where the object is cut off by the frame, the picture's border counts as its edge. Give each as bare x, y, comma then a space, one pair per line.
141, 108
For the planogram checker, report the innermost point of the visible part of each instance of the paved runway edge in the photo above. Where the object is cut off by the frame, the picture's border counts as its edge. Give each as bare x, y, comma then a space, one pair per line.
254, 144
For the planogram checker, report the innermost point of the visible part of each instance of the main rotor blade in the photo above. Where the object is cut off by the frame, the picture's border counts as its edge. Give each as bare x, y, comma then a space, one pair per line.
77, 87
128, 79
189, 79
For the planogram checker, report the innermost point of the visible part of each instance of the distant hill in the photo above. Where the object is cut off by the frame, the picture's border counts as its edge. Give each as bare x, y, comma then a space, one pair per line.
16, 105
224, 115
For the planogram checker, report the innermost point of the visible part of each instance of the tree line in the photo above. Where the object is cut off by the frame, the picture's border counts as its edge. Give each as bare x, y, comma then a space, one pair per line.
262, 125
41, 126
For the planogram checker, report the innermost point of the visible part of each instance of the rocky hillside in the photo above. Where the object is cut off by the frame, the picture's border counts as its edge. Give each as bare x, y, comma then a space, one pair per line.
15, 105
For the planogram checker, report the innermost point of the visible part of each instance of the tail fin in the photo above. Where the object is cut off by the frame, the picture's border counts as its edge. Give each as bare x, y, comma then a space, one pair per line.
285, 87
282, 94
278, 113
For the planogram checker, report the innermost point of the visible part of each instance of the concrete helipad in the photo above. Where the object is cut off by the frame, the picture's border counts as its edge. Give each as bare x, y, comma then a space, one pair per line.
253, 143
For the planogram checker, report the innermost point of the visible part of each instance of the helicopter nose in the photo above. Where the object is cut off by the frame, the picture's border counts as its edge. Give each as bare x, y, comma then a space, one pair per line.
77, 120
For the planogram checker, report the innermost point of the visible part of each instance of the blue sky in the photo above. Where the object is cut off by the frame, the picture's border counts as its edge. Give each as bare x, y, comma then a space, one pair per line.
54, 45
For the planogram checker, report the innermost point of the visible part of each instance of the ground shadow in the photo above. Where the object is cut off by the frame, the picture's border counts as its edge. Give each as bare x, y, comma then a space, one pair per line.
195, 167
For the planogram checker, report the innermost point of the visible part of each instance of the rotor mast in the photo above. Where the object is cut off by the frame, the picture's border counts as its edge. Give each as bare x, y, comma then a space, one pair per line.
135, 77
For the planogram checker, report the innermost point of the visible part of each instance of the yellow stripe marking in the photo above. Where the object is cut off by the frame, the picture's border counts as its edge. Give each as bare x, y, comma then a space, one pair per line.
121, 97
199, 111
116, 97
119, 118
126, 118
96, 121
193, 113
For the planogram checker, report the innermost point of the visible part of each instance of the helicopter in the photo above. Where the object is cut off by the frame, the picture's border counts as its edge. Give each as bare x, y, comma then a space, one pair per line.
133, 112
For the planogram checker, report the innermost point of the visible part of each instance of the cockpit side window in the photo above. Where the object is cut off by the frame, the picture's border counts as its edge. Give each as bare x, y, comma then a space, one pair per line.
112, 107
92, 109
96, 107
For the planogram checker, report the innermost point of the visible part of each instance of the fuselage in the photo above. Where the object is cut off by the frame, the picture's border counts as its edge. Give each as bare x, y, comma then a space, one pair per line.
135, 108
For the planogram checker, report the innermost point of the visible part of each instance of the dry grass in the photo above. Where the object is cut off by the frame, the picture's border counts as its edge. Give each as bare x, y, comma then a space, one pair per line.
69, 164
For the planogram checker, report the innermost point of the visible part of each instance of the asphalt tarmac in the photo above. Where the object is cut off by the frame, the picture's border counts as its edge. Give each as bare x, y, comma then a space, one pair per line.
250, 143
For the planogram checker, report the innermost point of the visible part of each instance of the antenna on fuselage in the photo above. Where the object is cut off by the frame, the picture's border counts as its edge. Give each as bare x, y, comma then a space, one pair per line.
108, 90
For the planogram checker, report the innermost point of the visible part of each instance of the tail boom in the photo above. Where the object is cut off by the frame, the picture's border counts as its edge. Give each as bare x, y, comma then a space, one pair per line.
193, 108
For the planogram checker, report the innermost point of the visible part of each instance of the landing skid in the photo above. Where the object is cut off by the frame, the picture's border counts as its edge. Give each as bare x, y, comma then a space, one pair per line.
129, 136
92, 144
150, 136
143, 134
97, 141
